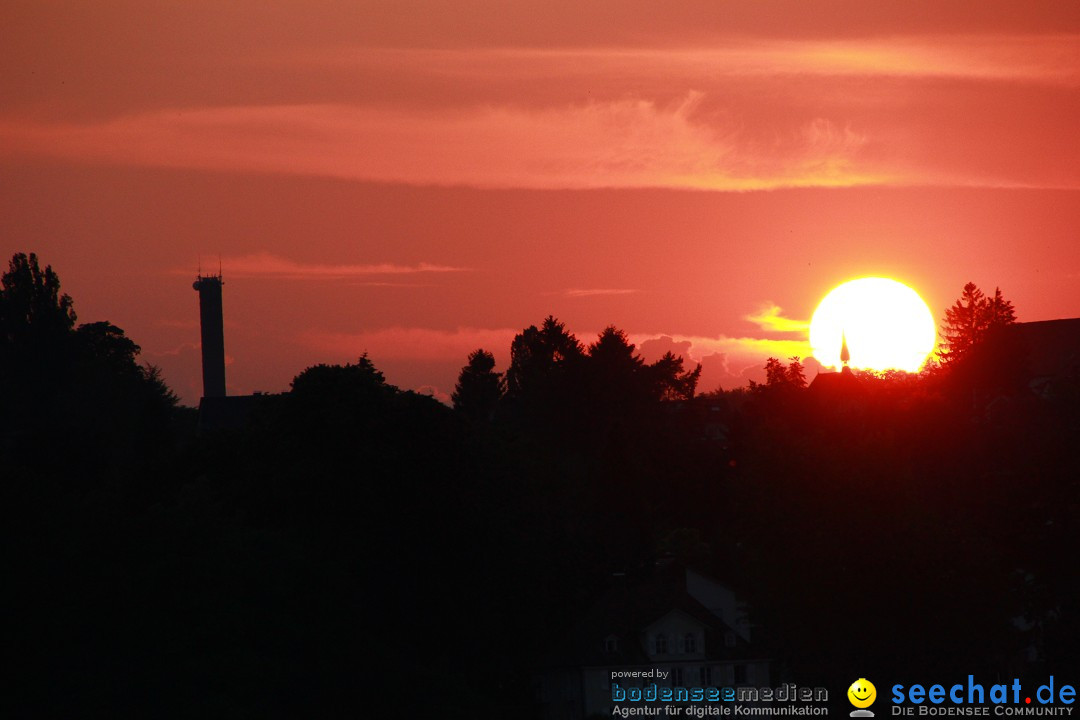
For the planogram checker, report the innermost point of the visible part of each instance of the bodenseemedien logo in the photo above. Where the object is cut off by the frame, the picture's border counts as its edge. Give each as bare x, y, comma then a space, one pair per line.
862, 694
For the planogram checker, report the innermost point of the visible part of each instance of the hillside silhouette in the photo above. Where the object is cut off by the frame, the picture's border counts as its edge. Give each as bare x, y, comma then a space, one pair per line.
355, 544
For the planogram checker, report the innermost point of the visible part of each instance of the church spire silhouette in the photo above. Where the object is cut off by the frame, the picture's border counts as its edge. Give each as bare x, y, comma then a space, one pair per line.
845, 354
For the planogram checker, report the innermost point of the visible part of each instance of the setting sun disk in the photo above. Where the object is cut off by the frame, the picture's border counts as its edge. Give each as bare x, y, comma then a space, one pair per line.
884, 324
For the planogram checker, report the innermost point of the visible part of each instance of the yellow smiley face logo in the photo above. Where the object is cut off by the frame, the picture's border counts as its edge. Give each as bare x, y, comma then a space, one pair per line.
862, 693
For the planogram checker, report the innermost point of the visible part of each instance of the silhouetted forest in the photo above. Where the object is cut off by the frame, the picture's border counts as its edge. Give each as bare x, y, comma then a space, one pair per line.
356, 544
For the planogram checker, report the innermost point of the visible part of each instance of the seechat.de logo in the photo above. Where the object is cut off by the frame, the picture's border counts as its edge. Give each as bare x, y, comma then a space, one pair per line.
862, 694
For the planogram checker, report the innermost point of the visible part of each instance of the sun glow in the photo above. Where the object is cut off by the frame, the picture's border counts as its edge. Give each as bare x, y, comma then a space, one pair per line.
885, 324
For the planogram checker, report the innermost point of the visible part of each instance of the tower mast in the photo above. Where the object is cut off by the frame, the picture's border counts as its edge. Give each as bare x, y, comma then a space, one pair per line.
213, 334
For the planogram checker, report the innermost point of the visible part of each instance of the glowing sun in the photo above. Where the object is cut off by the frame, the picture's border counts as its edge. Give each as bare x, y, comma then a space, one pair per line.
885, 324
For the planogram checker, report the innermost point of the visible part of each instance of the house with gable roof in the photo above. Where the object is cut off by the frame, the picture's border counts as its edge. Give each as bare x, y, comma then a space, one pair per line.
682, 626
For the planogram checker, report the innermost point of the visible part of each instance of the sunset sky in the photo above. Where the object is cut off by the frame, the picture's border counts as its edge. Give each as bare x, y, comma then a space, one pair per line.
418, 179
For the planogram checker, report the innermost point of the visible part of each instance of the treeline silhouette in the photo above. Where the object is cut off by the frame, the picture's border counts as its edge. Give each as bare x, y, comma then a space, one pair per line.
357, 546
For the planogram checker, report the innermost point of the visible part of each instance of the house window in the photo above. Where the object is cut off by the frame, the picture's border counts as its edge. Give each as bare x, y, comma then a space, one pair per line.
661, 645
677, 676
611, 644
690, 643
705, 676
729, 639
740, 674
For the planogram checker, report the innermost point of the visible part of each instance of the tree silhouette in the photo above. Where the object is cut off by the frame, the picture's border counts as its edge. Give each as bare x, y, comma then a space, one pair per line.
479, 387
339, 392
796, 376
72, 397
963, 323
31, 296
549, 367
672, 381
32, 308
615, 379
108, 343
537, 355
970, 318
778, 375
612, 357
108, 358
999, 311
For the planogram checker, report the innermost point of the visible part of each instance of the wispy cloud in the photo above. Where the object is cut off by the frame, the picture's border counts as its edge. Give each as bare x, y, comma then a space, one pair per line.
273, 266
618, 143
390, 284
576, 293
1037, 58
770, 318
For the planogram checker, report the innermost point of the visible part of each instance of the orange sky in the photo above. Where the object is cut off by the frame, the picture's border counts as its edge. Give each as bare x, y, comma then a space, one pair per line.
417, 179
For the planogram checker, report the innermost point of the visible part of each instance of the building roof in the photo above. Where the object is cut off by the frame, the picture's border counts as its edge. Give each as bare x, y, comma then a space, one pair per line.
1051, 347
843, 383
